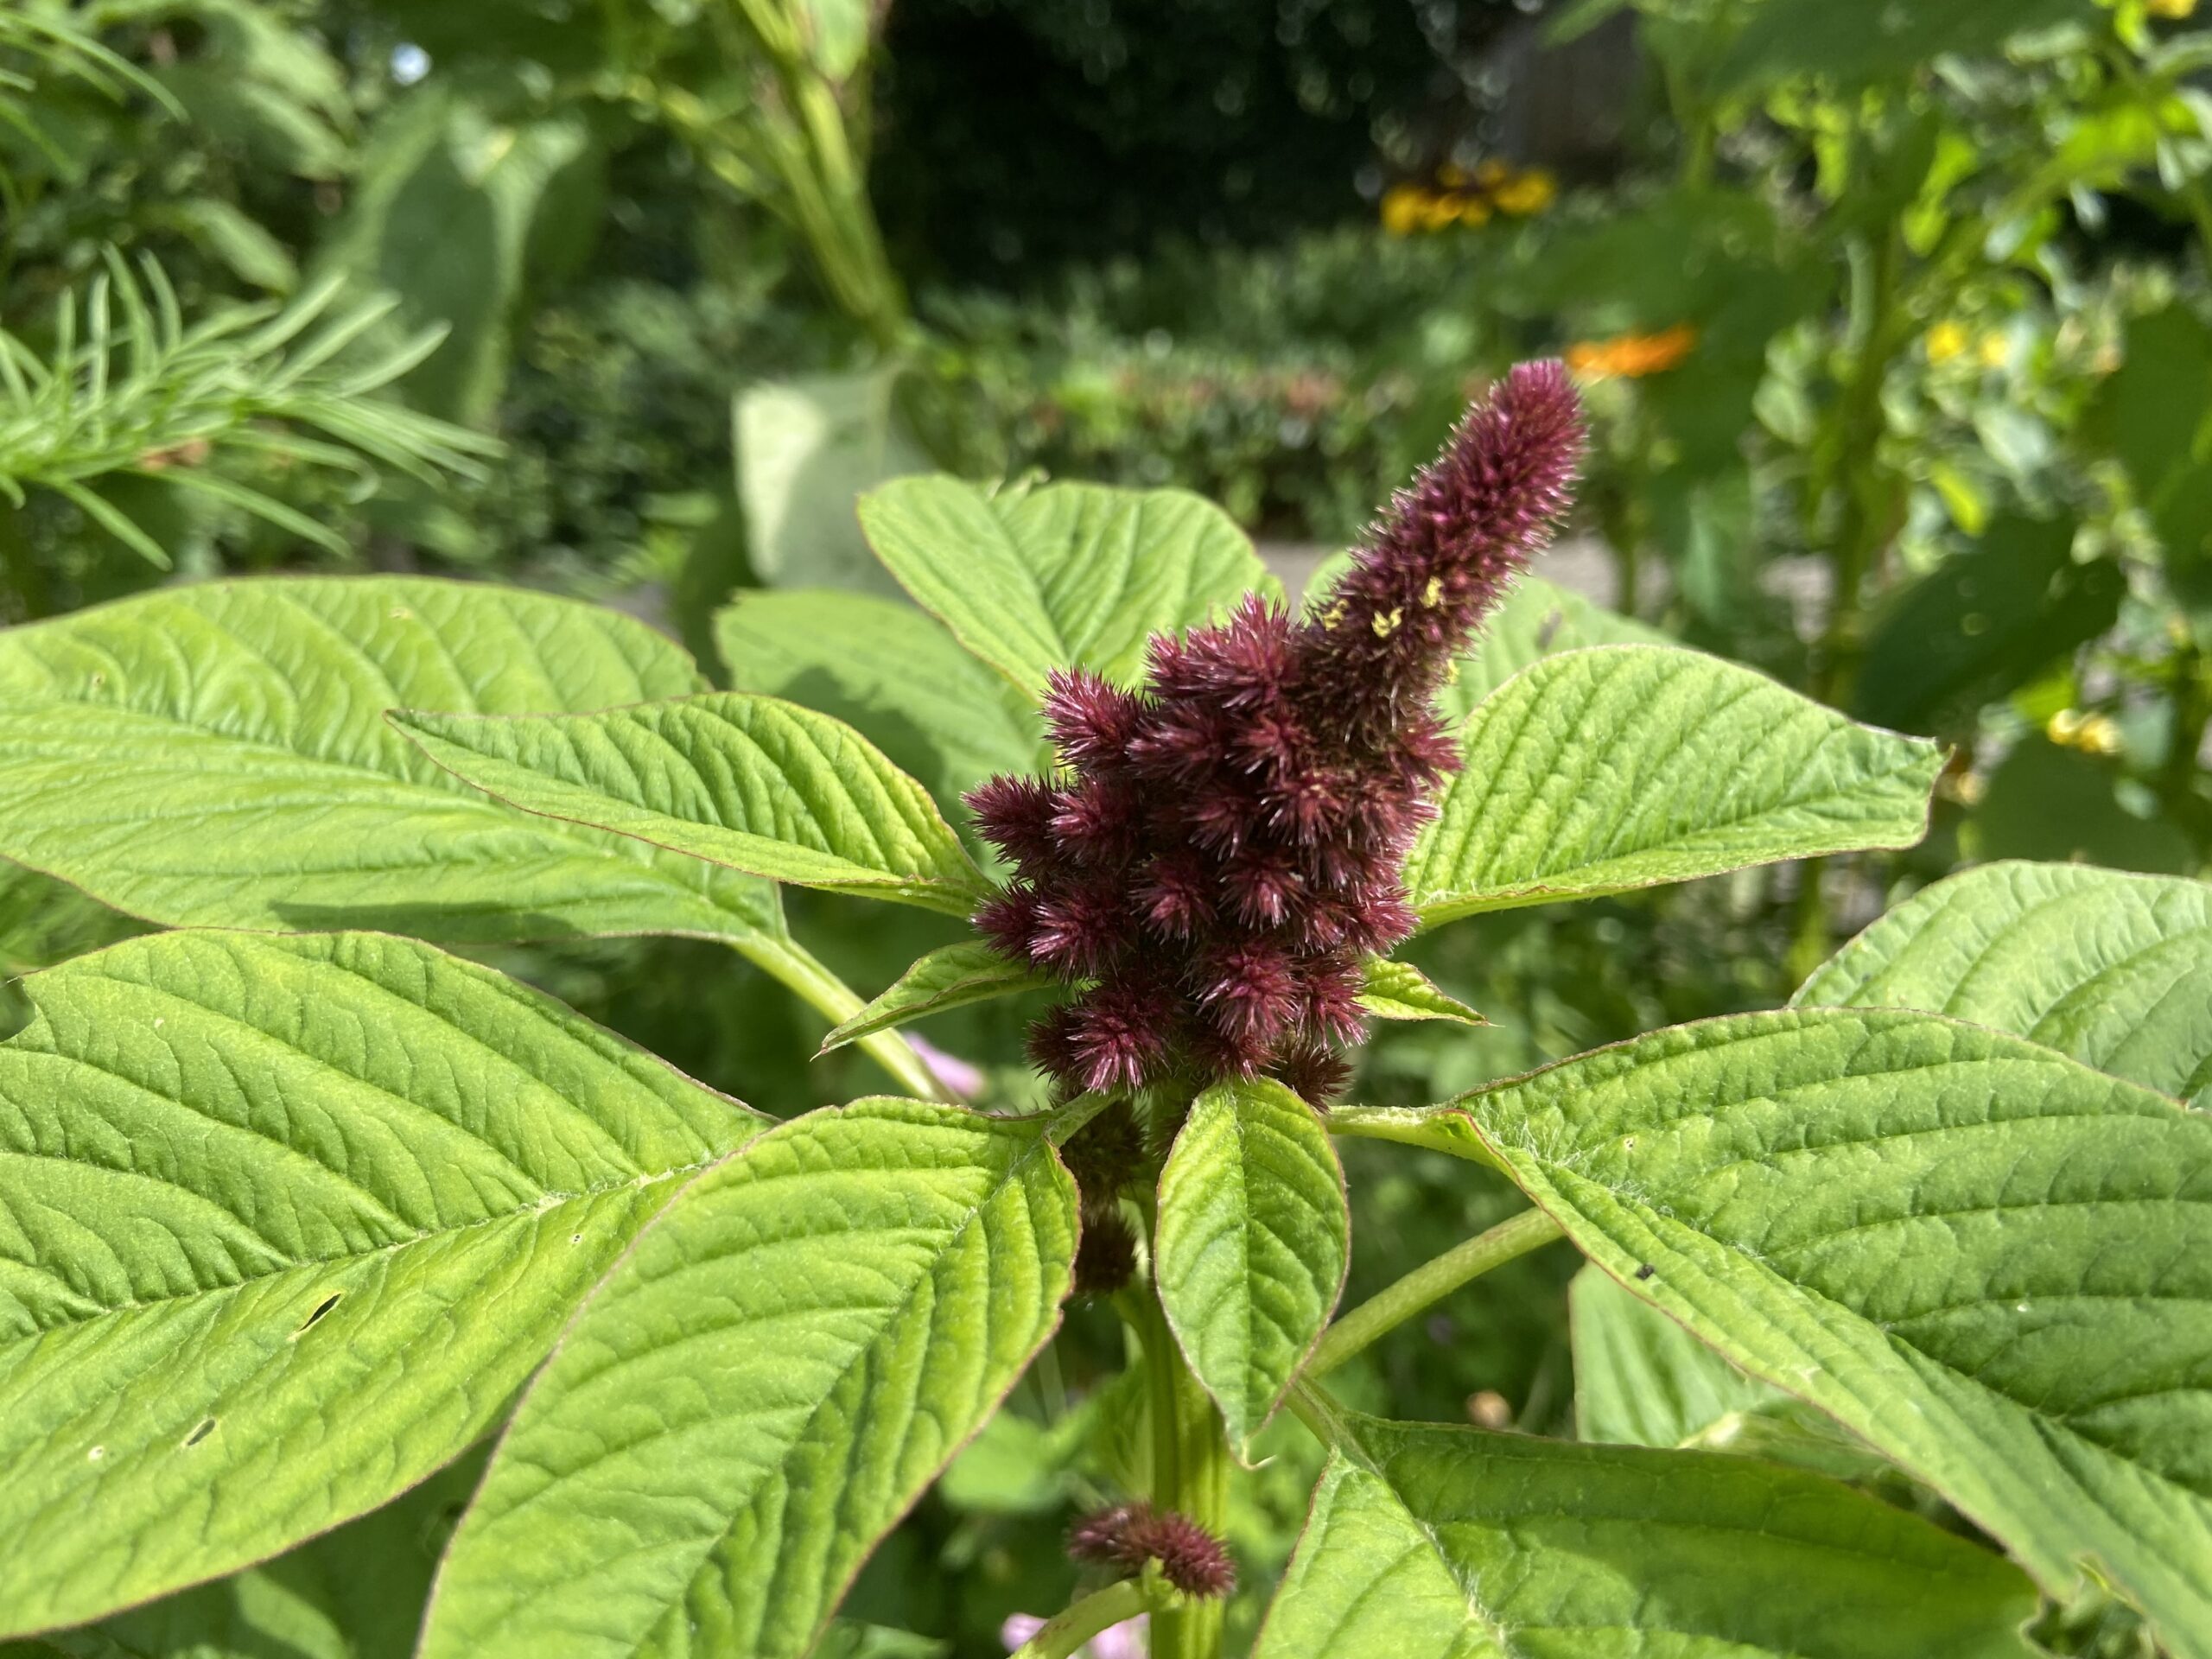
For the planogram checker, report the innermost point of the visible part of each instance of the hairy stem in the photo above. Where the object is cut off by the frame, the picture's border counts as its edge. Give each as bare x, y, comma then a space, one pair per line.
1428, 1284
1429, 1129
1190, 1470
1062, 1635
783, 961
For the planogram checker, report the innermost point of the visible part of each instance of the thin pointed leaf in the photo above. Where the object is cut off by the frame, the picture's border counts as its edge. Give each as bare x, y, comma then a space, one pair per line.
1459, 1544
760, 1390
1253, 1243
951, 978
1398, 990
754, 783
1625, 766
1033, 579
289, 1221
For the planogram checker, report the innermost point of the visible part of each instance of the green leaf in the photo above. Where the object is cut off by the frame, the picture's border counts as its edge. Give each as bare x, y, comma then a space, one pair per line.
1461, 1544
1536, 620
762, 1388
289, 1221
949, 978
217, 755
1985, 1260
806, 449
753, 783
1398, 990
1983, 624
890, 672
1064, 575
1640, 1379
2110, 968
354, 1593
1253, 1243
1625, 766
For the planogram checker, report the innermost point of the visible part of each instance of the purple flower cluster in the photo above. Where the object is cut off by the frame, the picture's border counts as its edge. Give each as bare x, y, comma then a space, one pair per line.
1223, 849
1127, 1537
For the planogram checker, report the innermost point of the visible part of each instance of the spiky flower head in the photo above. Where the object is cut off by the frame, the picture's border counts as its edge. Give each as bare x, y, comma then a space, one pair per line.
1222, 850
1128, 1535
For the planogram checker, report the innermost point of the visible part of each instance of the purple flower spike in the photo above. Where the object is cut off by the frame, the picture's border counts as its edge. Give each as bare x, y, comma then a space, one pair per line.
1225, 846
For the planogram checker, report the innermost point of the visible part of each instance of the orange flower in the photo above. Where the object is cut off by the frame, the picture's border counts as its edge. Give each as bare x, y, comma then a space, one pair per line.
1631, 356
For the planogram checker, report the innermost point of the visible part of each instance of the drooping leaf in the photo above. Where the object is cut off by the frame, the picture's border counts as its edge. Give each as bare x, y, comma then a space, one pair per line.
217, 756
2115, 969
762, 1388
1640, 1379
1455, 1543
1623, 766
1252, 1246
806, 449
289, 1219
1398, 990
1985, 1260
890, 671
753, 783
1068, 574
949, 978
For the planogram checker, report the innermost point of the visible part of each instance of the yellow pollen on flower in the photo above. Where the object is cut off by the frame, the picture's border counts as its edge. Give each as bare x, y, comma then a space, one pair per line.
1432, 595
1332, 614
1631, 356
1386, 625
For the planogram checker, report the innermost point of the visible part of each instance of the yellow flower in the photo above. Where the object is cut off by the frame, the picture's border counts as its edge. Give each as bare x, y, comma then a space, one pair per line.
1631, 356
1945, 340
1404, 207
2091, 734
1529, 194
1473, 210
1994, 350
2174, 9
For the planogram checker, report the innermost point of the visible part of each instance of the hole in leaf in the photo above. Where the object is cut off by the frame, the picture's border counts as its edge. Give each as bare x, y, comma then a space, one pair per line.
321, 1308
206, 1427
576, 1238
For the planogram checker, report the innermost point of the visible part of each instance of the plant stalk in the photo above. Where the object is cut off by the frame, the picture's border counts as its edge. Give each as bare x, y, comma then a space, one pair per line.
1189, 1471
1428, 1284
1062, 1635
784, 961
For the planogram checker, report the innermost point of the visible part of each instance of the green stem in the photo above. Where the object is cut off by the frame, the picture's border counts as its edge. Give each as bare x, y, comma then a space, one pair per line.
783, 961
1062, 1635
1428, 1129
1429, 1284
2192, 713
1190, 1470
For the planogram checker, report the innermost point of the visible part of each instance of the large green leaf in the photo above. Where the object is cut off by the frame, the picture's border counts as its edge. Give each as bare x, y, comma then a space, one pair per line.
762, 1388
754, 783
890, 671
1623, 766
1032, 580
289, 1220
2115, 969
354, 1593
1989, 1261
1454, 1543
949, 978
806, 449
217, 755
1253, 1243
1640, 1379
